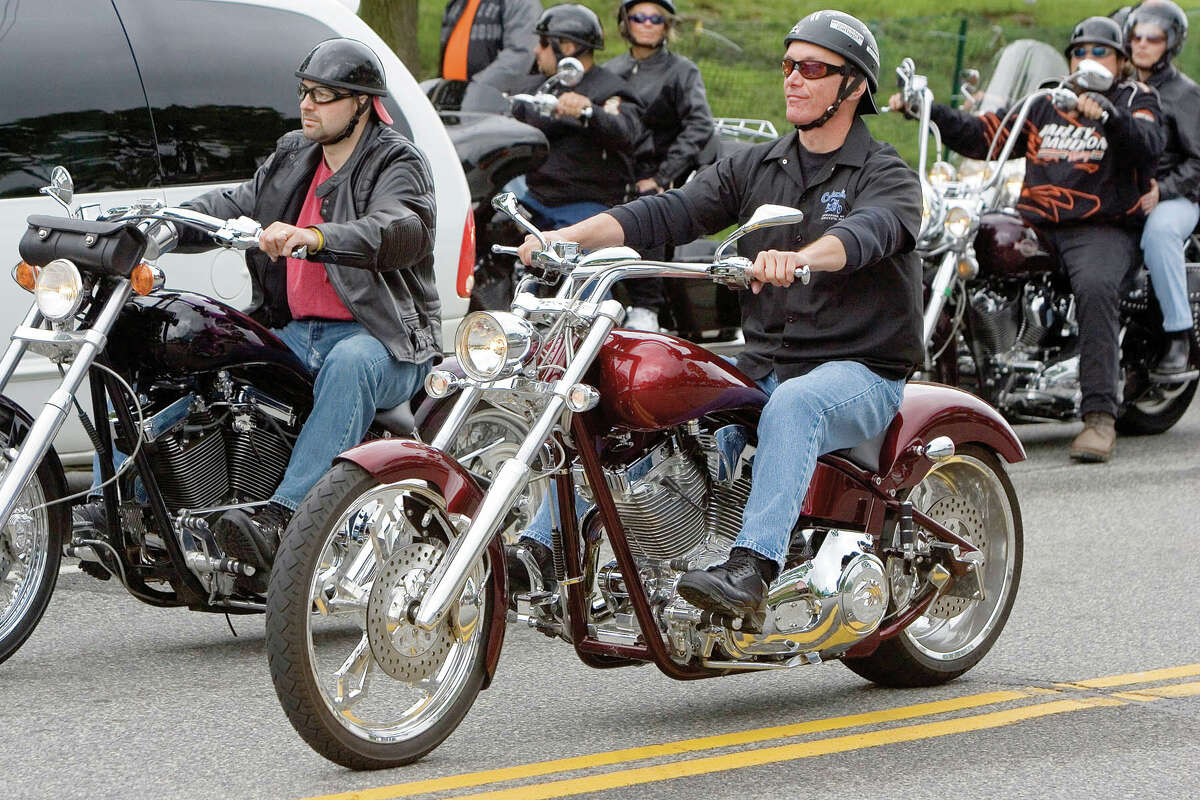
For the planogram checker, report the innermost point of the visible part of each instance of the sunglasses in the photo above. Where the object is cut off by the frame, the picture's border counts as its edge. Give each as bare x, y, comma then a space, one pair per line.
812, 70
653, 19
1154, 38
1098, 50
321, 94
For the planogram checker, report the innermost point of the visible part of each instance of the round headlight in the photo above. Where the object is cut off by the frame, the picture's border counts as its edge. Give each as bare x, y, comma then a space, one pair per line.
942, 173
974, 173
958, 222
493, 344
58, 290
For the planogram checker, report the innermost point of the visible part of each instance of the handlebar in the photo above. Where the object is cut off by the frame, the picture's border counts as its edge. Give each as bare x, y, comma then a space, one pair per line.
546, 104
240, 233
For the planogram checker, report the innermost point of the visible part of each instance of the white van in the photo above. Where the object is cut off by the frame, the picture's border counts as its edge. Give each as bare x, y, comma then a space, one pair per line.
167, 99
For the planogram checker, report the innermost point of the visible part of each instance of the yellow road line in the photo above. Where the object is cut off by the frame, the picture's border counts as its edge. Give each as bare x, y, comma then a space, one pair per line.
1127, 679
470, 779
1175, 690
771, 755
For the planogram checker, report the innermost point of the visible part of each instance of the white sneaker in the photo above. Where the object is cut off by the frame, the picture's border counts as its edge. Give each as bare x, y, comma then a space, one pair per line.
642, 319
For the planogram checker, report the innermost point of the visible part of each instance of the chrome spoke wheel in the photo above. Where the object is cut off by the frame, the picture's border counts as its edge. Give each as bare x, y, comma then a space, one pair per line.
489, 437
24, 549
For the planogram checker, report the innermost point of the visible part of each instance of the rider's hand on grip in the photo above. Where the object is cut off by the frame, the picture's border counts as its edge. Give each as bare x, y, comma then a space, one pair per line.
777, 268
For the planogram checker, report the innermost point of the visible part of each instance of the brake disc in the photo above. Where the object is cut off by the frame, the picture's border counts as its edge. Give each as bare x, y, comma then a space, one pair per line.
401, 649
963, 519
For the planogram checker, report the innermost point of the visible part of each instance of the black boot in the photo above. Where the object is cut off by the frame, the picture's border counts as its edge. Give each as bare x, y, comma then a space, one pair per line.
518, 573
736, 589
254, 541
1174, 366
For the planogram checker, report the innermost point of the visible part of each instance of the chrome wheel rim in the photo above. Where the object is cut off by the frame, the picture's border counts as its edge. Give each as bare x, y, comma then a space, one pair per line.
358, 640
24, 548
488, 439
966, 496
1158, 398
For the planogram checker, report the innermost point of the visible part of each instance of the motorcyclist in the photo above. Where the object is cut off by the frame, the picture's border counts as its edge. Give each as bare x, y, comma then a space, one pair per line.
1155, 32
488, 41
1085, 170
361, 308
593, 133
676, 114
834, 354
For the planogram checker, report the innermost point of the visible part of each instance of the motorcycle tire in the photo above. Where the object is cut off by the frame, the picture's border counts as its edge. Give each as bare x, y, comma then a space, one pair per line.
972, 495
1156, 411
31, 541
339, 718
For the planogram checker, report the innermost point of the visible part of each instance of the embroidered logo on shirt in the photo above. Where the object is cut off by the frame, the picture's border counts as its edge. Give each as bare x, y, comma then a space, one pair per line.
835, 206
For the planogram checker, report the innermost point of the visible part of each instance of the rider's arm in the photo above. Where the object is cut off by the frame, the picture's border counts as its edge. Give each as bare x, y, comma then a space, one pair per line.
1184, 179
696, 120
516, 53
236, 201
617, 122
886, 217
971, 135
1134, 125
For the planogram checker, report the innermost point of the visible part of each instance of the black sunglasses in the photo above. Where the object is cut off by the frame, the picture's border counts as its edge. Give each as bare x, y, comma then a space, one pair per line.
653, 19
1098, 50
812, 70
321, 94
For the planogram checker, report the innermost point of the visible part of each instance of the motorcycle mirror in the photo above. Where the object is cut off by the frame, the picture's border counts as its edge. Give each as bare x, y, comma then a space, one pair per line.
970, 78
1092, 76
570, 72
506, 203
765, 216
61, 187
608, 255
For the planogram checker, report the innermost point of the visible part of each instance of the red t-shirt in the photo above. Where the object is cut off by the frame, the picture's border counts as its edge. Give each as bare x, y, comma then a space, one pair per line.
310, 295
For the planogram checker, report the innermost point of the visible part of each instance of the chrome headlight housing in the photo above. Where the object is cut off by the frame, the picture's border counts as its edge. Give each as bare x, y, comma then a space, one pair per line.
932, 212
974, 174
959, 222
942, 173
491, 345
58, 290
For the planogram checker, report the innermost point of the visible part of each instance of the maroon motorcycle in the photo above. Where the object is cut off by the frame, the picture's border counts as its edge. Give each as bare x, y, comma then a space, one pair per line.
389, 598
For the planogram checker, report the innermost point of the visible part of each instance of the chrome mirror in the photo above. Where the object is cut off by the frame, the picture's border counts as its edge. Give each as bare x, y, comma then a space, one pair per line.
969, 78
608, 255
1092, 76
61, 188
506, 202
765, 216
570, 72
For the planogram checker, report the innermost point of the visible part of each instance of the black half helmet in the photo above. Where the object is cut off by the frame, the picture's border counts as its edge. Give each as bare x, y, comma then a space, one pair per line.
849, 38
1165, 15
346, 64
572, 22
1097, 30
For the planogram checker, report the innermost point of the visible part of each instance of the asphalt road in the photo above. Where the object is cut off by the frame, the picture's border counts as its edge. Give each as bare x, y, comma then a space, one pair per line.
1092, 691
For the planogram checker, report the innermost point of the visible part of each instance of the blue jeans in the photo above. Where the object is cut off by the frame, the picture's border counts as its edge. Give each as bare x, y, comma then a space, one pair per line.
355, 376
554, 216
1167, 229
837, 405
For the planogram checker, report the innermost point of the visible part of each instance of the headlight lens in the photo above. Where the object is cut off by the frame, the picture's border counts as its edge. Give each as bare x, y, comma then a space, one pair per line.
958, 222
942, 173
58, 290
493, 344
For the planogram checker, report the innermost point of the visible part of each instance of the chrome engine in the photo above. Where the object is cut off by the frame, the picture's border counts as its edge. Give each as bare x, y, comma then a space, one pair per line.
681, 506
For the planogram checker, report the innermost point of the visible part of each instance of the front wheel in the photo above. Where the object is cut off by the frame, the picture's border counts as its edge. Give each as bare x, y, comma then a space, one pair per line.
971, 494
31, 544
359, 683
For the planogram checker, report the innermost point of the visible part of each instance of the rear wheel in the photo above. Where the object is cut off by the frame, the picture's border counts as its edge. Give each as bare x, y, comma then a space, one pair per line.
359, 683
971, 495
1156, 409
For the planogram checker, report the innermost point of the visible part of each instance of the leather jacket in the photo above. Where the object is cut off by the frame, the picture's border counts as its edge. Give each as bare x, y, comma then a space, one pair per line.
1179, 165
379, 217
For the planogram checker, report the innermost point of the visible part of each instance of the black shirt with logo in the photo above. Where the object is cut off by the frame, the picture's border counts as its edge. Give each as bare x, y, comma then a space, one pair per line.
865, 195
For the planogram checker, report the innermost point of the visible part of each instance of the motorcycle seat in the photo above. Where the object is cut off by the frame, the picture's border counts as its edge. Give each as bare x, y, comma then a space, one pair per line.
398, 421
865, 454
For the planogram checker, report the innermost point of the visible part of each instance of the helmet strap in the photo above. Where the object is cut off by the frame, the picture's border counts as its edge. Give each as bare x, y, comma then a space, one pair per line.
847, 87
349, 129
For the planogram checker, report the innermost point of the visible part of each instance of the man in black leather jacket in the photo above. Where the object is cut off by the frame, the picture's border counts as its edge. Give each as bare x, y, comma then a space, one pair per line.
1155, 32
360, 308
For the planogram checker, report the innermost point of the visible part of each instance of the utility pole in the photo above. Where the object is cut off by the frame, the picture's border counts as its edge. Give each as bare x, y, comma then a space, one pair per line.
396, 23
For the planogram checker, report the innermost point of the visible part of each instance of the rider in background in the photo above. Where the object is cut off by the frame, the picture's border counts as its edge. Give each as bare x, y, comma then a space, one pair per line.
489, 41
1155, 32
1085, 171
678, 119
594, 130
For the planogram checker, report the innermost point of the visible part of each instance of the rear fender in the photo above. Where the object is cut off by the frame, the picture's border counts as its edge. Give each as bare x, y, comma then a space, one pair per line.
930, 410
391, 460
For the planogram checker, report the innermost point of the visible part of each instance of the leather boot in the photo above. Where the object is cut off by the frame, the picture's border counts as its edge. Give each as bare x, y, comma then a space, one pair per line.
1097, 439
736, 589
518, 572
1174, 366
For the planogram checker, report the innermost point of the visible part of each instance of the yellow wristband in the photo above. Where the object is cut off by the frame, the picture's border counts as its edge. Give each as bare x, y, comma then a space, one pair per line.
320, 238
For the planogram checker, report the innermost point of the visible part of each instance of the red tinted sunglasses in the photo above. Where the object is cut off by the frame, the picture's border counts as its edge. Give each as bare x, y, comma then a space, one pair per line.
812, 70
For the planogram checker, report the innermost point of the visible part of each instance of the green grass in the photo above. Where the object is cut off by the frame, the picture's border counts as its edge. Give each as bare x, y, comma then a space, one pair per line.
738, 43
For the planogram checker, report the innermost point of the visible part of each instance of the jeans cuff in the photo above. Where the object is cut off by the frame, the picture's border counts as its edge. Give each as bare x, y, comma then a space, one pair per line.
757, 547
539, 536
290, 505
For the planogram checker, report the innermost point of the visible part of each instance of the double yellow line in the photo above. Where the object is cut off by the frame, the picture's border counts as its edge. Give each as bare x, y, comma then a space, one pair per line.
1088, 694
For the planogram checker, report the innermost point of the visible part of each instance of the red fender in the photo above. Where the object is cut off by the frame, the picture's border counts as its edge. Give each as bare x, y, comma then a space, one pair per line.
930, 410
390, 460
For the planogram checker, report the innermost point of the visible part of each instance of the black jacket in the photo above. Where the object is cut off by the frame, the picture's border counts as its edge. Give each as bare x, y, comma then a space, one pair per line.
1076, 169
379, 230
676, 113
590, 160
866, 196
500, 50
1179, 165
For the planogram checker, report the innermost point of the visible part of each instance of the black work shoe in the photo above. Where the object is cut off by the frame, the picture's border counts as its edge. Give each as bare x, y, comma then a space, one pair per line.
253, 541
88, 520
518, 573
736, 589
1174, 366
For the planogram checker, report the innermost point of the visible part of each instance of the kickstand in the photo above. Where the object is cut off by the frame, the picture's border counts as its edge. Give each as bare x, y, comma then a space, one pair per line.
229, 622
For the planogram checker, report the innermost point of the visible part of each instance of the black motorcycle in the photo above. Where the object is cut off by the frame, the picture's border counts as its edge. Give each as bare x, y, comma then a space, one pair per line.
206, 402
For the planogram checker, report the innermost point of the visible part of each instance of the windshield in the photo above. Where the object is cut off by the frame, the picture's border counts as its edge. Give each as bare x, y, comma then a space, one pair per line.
1021, 67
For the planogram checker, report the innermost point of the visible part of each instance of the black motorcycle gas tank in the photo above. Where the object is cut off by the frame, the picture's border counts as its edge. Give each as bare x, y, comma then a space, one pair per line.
171, 335
1007, 246
493, 149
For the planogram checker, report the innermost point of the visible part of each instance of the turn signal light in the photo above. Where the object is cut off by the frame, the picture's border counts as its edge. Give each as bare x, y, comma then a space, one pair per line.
25, 275
142, 279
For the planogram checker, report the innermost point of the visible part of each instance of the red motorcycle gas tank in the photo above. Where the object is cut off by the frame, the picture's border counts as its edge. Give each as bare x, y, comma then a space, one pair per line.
1007, 246
652, 381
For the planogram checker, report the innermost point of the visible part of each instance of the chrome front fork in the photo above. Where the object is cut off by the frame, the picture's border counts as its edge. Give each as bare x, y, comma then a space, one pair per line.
939, 293
87, 345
